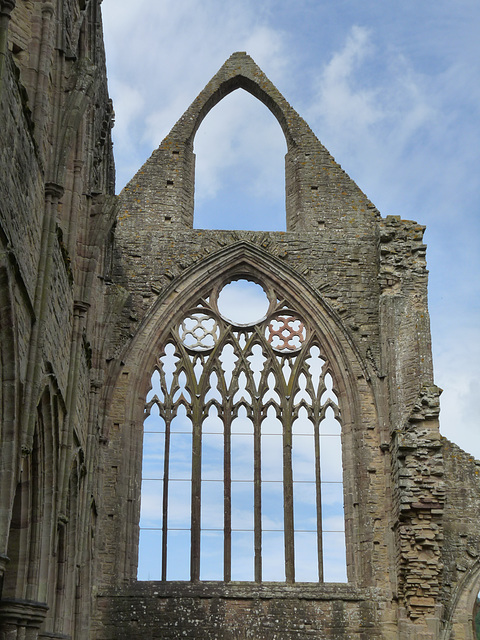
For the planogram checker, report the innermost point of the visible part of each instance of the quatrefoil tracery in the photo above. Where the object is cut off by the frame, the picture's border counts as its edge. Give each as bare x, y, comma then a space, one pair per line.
199, 331
270, 360
286, 332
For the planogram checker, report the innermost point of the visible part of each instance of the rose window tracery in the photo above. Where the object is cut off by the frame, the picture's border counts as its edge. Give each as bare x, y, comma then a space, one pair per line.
242, 455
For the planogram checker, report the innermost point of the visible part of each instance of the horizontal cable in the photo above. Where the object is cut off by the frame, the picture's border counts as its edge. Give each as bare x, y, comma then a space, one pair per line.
245, 433
246, 530
244, 481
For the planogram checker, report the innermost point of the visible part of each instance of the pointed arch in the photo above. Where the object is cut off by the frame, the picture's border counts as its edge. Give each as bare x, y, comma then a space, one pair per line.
241, 72
64, 579
238, 72
9, 437
32, 527
459, 614
130, 383
243, 259
240, 167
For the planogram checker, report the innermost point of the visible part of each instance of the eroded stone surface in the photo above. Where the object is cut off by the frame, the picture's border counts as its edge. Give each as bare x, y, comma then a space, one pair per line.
90, 283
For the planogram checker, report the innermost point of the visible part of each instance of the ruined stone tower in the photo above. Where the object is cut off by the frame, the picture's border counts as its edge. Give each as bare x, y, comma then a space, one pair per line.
359, 521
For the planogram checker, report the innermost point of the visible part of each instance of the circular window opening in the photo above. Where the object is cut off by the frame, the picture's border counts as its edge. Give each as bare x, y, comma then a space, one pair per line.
243, 302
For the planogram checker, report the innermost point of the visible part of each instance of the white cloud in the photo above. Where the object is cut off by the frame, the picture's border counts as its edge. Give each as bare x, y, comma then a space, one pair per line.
458, 373
170, 51
128, 107
342, 106
371, 108
400, 133
396, 101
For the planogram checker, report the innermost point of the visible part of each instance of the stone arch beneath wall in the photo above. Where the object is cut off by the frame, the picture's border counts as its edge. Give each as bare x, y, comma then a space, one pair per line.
462, 606
129, 385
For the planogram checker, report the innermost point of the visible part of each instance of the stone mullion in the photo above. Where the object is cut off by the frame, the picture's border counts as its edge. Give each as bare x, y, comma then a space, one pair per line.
257, 464
288, 492
168, 415
310, 389
257, 495
255, 414
315, 413
166, 463
227, 492
225, 413
288, 409
319, 415
318, 490
197, 415
227, 392
163, 386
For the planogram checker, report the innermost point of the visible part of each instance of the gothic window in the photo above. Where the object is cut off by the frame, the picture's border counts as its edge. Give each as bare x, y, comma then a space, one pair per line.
242, 467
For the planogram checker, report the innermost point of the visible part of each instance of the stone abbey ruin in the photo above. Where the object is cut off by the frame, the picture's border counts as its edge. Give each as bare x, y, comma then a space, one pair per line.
301, 487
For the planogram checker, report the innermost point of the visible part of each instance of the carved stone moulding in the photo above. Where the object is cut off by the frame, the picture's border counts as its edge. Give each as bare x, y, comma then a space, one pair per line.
26, 613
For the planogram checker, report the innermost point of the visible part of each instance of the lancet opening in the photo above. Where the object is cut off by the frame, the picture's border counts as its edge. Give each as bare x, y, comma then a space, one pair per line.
240, 168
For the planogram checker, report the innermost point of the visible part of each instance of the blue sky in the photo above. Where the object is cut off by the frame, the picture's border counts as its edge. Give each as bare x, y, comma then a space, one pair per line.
391, 89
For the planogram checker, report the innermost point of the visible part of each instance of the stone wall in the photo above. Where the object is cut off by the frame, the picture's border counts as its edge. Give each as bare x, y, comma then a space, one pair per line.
22, 186
366, 279
55, 217
90, 285
461, 548
152, 611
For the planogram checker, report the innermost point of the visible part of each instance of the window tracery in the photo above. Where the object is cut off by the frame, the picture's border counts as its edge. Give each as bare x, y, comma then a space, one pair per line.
242, 453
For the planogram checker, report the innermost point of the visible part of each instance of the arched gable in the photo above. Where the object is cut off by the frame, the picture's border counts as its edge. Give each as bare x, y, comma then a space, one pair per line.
241, 72
315, 184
